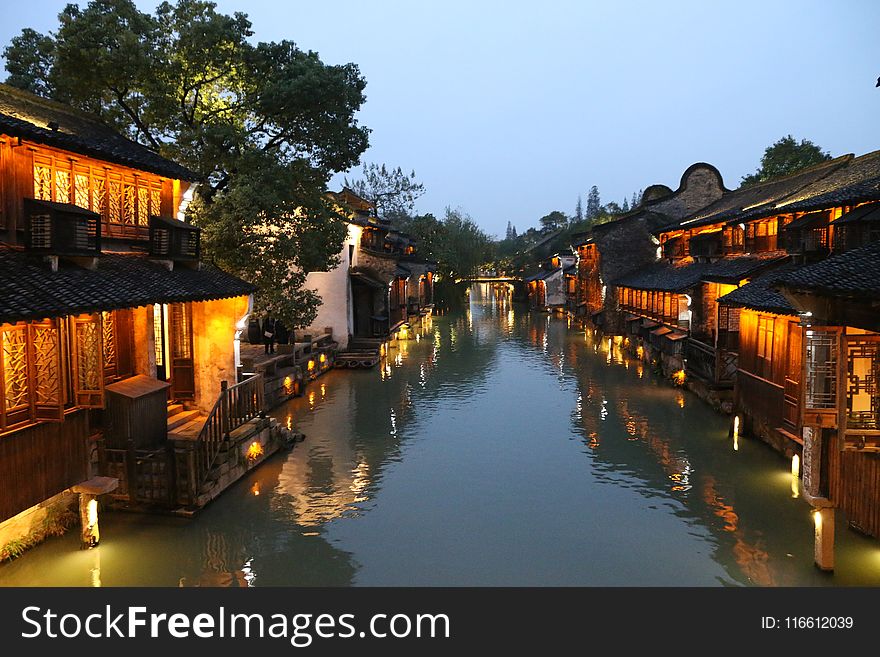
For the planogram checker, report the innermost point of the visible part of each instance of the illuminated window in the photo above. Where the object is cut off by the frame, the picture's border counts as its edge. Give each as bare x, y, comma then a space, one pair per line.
764, 347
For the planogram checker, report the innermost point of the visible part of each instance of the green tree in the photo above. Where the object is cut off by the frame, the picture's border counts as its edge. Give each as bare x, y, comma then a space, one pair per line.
461, 246
579, 211
392, 192
553, 221
784, 157
264, 126
594, 204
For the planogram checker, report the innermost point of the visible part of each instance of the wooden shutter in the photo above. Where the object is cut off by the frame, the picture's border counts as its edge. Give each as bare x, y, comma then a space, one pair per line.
88, 362
44, 341
15, 382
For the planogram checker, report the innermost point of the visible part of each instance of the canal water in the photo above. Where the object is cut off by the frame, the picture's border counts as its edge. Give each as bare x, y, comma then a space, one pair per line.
495, 447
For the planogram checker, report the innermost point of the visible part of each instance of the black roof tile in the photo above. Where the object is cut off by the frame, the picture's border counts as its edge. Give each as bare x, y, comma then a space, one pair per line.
665, 277
857, 182
759, 294
687, 273
30, 290
25, 115
734, 269
758, 200
855, 272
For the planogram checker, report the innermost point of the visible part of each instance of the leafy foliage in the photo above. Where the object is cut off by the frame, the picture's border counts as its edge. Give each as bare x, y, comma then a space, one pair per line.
264, 126
553, 221
786, 156
456, 242
392, 192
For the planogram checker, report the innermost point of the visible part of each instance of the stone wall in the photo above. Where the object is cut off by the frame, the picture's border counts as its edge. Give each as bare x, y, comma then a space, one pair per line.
701, 185
214, 327
33, 525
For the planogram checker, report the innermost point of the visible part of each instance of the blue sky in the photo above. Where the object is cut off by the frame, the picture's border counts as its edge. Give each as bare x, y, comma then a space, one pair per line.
509, 110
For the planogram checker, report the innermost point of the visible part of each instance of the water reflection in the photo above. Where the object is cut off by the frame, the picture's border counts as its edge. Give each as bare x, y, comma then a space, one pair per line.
493, 447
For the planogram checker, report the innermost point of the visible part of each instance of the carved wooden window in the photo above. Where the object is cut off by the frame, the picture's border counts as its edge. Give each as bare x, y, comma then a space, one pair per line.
143, 207
128, 204
821, 370
81, 189
30, 373
862, 390
62, 186
115, 211
42, 182
99, 197
155, 201
116, 344
87, 363
180, 326
120, 199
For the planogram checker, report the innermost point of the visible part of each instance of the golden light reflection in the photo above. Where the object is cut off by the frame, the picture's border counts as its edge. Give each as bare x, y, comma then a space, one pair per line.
254, 451
680, 400
640, 351
736, 433
312, 398
752, 560
255, 489
289, 422
323, 390
288, 385
795, 476
96, 570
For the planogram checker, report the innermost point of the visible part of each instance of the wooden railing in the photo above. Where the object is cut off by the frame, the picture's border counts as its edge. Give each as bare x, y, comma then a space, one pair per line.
235, 406
762, 398
710, 364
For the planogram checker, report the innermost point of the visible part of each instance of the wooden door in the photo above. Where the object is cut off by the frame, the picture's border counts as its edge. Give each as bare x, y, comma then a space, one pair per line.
181, 351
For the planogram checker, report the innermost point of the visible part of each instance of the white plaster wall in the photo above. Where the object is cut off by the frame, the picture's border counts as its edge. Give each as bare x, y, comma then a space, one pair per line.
334, 288
555, 289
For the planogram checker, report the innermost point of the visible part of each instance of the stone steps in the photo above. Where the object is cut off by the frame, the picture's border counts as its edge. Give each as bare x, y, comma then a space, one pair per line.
180, 418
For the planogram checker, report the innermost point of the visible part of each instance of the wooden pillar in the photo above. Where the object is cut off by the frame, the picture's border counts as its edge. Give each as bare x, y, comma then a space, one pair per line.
823, 519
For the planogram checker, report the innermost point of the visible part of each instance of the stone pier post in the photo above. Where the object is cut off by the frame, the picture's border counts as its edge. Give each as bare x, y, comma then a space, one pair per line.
823, 518
88, 506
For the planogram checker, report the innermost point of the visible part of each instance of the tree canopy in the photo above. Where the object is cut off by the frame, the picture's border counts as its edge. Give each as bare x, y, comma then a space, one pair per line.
786, 156
264, 126
391, 191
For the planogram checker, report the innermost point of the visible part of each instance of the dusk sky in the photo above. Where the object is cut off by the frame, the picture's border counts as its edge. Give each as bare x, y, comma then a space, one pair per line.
509, 110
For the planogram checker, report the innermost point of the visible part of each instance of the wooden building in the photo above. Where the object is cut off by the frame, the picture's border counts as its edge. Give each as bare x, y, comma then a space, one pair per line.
611, 250
838, 305
106, 311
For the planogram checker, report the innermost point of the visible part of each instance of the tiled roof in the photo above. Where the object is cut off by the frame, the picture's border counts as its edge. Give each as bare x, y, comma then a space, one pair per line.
687, 273
30, 290
665, 277
734, 269
858, 181
760, 295
870, 212
25, 115
755, 199
855, 272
